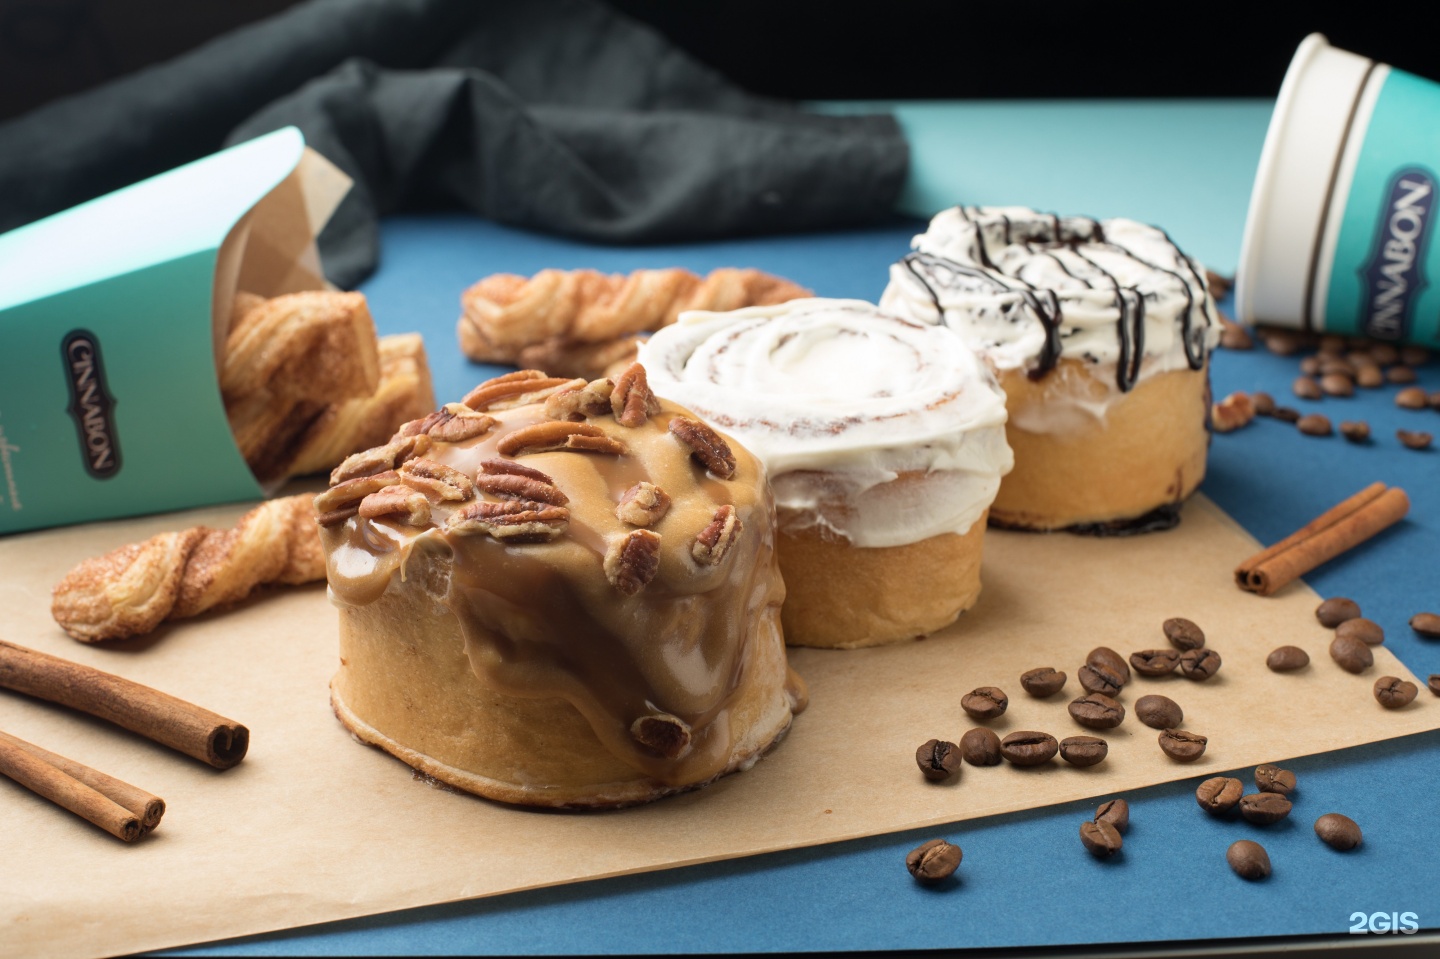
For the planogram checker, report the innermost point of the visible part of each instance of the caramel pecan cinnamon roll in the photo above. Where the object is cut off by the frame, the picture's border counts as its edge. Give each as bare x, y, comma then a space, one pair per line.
885, 444
573, 601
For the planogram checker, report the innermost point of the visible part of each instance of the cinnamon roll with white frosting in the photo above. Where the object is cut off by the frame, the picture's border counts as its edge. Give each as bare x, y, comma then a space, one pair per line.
559, 593
884, 441
1100, 332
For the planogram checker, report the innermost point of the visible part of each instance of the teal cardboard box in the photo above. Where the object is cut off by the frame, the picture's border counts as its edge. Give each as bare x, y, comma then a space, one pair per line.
113, 315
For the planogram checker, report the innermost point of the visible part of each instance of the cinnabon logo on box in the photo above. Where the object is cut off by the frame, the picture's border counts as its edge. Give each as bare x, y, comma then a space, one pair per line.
91, 405
1394, 275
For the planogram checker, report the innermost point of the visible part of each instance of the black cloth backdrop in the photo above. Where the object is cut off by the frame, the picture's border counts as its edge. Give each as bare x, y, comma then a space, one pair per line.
558, 115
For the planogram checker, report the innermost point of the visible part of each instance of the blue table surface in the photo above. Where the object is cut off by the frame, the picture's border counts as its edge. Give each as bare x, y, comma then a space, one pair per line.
1025, 879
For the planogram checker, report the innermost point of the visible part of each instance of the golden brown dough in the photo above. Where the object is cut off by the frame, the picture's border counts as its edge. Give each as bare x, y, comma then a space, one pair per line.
586, 323
131, 590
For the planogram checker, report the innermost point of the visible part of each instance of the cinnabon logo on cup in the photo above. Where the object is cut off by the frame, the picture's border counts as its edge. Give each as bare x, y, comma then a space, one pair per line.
91, 405
1394, 274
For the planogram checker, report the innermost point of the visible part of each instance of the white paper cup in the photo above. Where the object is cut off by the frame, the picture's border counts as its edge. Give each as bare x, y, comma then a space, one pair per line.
1339, 233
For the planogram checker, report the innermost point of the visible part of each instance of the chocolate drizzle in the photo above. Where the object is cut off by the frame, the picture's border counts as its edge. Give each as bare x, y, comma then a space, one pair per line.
1047, 234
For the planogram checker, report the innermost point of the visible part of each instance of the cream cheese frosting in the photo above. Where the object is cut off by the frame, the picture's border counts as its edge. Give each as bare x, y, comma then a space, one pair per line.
1025, 289
839, 400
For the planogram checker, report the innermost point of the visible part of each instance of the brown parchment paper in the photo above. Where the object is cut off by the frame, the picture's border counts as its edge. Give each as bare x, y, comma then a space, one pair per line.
313, 826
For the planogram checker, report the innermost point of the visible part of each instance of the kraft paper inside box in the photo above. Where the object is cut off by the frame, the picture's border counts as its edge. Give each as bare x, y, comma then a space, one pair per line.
313, 826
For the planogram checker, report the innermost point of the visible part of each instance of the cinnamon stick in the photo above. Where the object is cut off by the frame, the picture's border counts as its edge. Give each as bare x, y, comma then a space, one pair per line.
1346, 525
41, 777
148, 807
173, 722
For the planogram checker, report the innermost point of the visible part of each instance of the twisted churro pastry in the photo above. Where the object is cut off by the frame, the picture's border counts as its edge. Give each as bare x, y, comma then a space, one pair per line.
306, 383
131, 590
585, 323
405, 393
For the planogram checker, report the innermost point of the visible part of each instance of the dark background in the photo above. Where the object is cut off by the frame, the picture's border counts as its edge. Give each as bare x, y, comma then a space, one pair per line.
901, 49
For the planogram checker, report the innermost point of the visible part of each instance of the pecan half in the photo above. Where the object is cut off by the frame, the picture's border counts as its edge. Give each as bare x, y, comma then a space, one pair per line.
667, 735
591, 399
558, 435
455, 423
342, 501
515, 389
400, 503
632, 402
443, 481
714, 541
511, 521
515, 486
643, 504
631, 563
381, 458
706, 445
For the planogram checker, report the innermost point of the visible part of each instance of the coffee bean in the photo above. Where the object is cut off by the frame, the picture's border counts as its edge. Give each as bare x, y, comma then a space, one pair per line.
1284, 342
1248, 859
1043, 682
1337, 831
1264, 808
1434, 401
1434, 683
1100, 839
1366, 630
1337, 384
1182, 745
1270, 778
1412, 355
1356, 431
1083, 750
1264, 403
1287, 658
1233, 336
1351, 655
1336, 610
1199, 664
1414, 439
1155, 662
938, 760
980, 747
1159, 712
1286, 414
1335, 366
1394, 693
1310, 365
1410, 398
1116, 812
1384, 353
1332, 344
1029, 748
1369, 377
1400, 375
1314, 425
1426, 624
1306, 388
1183, 634
985, 703
1219, 795
1104, 655
1100, 678
1097, 711
933, 861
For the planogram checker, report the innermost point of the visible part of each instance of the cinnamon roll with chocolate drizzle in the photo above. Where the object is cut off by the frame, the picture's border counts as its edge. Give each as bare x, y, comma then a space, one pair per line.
884, 441
1100, 332
559, 593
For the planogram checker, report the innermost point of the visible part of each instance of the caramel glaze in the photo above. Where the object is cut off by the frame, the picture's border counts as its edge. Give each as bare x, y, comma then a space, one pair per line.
542, 620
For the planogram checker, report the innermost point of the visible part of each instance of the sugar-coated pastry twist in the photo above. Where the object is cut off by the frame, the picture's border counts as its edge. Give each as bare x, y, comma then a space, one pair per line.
131, 590
586, 323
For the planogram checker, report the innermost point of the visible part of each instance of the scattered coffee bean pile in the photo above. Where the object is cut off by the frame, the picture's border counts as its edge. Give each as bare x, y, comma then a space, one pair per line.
1334, 370
1351, 649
